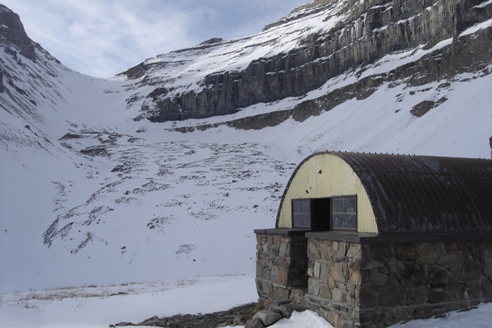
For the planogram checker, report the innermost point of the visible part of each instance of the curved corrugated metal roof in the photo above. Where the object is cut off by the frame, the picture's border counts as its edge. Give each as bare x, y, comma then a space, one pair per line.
425, 193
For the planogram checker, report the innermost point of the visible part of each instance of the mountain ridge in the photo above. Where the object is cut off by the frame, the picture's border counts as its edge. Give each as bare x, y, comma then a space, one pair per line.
348, 40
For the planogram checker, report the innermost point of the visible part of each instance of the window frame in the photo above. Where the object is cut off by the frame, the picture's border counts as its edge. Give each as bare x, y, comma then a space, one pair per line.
332, 208
294, 216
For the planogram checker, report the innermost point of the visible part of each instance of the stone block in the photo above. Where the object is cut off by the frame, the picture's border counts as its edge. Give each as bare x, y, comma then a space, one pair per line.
417, 296
338, 321
451, 294
324, 273
381, 252
325, 292
351, 286
392, 294
426, 253
471, 250
254, 323
273, 249
475, 290
355, 277
368, 297
350, 299
486, 258
312, 250
337, 294
406, 252
275, 239
463, 294
355, 265
354, 252
261, 238
366, 264
274, 274
259, 269
470, 271
486, 289
440, 249
450, 261
438, 276
316, 270
378, 279
412, 274
436, 296
280, 294
259, 286
339, 272
283, 263
264, 248
282, 277
342, 249
453, 279
284, 250
266, 273
286, 309
452, 247
331, 282
392, 267
314, 287
342, 259
268, 318
327, 253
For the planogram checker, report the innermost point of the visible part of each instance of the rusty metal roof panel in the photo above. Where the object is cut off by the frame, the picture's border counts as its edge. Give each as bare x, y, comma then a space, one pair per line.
426, 193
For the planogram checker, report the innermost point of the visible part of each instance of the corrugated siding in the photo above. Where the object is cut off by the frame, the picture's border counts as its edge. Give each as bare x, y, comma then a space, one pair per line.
426, 193
327, 175
398, 193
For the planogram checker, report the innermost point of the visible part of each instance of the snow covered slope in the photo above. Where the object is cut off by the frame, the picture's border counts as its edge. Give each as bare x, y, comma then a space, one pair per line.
89, 195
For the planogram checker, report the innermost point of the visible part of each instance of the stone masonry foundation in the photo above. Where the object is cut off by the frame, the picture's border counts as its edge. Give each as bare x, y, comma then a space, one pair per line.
281, 266
373, 282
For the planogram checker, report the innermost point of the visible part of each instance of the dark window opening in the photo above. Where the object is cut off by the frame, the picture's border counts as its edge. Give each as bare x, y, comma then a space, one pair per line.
344, 213
324, 214
312, 214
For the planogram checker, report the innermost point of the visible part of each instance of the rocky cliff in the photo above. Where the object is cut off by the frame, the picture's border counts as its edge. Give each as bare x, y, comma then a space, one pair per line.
13, 33
347, 36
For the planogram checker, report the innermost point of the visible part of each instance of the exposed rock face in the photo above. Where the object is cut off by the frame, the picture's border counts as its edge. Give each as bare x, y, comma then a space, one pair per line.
369, 31
13, 32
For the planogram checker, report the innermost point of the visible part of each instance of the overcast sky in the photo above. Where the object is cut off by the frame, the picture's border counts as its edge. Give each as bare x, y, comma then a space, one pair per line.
104, 37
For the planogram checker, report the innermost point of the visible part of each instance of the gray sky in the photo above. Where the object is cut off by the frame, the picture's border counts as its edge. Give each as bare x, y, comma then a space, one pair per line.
103, 37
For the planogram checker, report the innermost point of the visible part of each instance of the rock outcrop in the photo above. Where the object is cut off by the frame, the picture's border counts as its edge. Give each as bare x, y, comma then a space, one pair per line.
12, 32
365, 32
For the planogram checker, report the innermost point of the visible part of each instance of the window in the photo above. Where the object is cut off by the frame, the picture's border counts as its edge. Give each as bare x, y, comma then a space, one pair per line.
301, 213
312, 214
344, 213
323, 214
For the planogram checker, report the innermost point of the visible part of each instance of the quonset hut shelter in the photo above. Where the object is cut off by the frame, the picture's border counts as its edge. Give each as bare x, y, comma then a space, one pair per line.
369, 240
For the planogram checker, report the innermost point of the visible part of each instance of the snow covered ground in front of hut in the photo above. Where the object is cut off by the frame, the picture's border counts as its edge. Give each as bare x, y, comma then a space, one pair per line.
100, 306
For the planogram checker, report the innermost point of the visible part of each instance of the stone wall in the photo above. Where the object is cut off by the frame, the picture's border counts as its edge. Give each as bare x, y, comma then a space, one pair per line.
281, 266
373, 282
335, 281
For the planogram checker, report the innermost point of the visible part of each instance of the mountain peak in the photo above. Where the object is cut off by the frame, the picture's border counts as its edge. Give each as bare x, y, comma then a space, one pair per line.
12, 32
